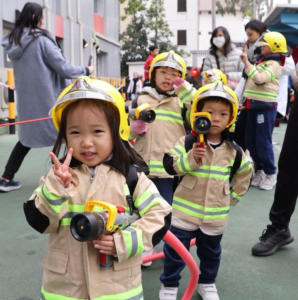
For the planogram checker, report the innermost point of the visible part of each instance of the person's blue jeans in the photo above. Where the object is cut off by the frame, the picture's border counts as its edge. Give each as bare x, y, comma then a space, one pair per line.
165, 188
208, 251
258, 138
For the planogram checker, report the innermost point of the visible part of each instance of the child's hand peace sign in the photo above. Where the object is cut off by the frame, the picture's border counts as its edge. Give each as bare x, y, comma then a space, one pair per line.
61, 171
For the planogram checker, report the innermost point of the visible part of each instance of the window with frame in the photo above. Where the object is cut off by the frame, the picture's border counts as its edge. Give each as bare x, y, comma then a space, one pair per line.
99, 7
181, 38
58, 7
181, 5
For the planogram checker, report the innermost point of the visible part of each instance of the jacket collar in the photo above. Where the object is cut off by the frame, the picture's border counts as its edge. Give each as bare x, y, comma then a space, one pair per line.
156, 95
110, 162
276, 57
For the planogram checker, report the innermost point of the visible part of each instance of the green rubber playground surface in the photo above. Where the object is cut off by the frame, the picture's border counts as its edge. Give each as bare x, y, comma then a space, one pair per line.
241, 276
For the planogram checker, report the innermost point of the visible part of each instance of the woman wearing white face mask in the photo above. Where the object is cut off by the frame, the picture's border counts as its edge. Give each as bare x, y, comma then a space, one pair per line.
223, 55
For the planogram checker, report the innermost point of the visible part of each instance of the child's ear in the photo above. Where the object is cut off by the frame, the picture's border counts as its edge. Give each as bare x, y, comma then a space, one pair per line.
231, 118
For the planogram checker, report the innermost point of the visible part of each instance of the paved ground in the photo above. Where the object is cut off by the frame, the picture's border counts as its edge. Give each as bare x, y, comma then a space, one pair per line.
241, 276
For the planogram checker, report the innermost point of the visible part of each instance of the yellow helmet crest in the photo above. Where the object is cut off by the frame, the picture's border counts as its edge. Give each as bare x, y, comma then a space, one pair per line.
168, 59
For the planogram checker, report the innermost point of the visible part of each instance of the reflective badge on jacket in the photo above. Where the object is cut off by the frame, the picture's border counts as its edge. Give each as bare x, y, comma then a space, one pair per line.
260, 118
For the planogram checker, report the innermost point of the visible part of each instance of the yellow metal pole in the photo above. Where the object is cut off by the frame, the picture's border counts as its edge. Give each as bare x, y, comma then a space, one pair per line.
11, 102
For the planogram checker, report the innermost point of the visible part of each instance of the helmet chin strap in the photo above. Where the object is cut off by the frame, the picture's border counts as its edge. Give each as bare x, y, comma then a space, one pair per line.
169, 93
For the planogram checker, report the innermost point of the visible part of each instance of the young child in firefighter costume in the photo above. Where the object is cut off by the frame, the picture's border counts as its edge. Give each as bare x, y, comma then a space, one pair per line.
261, 91
153, 140
91, 120
202, 200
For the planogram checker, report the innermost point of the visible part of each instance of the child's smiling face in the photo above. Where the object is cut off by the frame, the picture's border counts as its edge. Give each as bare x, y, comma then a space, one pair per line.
89, 134
164, 77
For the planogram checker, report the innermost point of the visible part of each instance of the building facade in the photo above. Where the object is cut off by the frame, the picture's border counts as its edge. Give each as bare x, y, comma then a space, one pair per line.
192, 23
81, 27
284, 19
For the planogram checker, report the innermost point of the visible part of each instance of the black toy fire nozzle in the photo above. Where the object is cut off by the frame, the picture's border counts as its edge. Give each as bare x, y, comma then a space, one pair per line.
142, 112
201, 125
89, 225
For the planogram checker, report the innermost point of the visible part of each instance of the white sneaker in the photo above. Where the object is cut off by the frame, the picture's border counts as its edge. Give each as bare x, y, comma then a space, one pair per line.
257, 178
147, 253
268, 182
207, 291
168, 293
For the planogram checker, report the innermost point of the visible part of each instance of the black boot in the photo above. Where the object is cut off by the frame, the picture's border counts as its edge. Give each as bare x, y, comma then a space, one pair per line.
271, 240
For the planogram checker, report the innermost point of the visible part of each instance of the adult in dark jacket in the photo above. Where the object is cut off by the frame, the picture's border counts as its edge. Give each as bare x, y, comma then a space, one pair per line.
40, 73
278, 234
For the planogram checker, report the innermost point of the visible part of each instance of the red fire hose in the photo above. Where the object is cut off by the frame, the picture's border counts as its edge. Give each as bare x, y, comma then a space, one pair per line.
25, 121
171, 239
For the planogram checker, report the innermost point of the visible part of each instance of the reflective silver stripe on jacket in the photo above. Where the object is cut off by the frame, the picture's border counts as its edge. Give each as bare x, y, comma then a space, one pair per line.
134, 240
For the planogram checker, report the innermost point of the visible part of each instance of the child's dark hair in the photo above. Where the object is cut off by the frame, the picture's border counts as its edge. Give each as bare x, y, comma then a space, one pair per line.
152, 79
152, 48
123, 154
29, 17
227, 46
256, 25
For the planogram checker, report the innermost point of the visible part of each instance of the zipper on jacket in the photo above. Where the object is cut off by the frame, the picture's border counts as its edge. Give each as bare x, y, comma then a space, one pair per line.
92, 174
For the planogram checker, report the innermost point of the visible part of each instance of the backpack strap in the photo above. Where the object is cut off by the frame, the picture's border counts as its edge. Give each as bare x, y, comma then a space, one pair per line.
131, 181
200, 78
238, 158
189, 141
216, 59
186, 125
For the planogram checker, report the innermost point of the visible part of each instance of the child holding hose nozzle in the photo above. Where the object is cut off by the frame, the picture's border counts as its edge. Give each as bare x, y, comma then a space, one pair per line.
92, 122
142, 113
202, 200
167, 98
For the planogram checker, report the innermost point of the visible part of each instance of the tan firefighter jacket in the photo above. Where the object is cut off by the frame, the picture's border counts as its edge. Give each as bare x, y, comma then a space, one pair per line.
263, 81
71, 268
163, 133
204, 194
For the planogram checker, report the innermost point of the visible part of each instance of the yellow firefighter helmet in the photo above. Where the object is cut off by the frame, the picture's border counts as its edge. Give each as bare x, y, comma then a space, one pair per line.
168, 59
86, 88
276, 42
216, 90
215, 75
